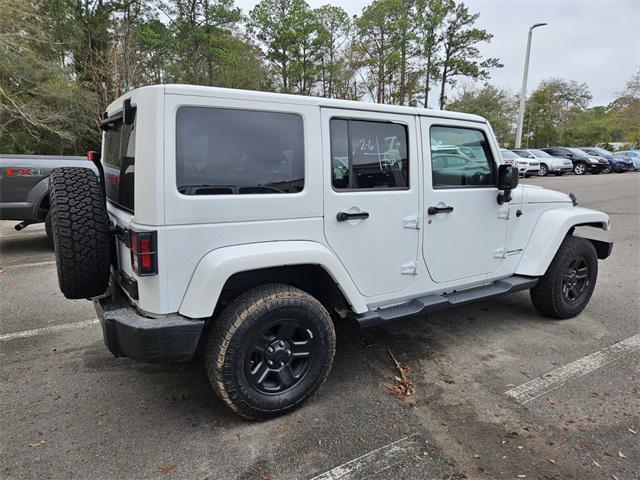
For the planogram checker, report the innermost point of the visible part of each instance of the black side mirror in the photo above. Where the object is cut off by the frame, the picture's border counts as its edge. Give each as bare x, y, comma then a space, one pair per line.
507, 181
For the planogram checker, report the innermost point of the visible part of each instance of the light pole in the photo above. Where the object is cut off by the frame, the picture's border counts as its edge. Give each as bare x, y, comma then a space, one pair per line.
523, 91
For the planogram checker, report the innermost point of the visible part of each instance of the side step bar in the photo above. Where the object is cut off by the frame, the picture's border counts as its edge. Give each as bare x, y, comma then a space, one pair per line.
434, 303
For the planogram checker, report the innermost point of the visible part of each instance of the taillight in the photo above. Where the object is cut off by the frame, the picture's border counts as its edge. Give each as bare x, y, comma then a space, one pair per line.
144, 257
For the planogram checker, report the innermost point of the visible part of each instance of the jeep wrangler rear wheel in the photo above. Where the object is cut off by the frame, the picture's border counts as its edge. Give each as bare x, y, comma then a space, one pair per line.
566, 288
80, 227
270, 350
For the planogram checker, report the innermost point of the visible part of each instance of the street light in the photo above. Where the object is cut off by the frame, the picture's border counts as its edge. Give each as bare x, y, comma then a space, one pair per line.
523, 91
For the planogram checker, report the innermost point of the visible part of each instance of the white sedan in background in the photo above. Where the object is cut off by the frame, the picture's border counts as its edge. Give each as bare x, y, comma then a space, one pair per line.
525, 166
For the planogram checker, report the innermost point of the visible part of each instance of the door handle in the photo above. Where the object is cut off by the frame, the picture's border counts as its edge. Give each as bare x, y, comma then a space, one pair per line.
343, 216
436, 210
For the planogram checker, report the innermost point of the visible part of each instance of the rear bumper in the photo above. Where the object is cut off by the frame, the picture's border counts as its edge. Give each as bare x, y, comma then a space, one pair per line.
126, 333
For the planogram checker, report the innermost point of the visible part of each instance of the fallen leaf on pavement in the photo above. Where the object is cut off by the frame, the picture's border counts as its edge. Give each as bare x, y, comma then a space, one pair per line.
510, 385
360, 440
551, 461
621, 455
596, 463
265, 476
614, 477
168, 468
632, 430
38, 444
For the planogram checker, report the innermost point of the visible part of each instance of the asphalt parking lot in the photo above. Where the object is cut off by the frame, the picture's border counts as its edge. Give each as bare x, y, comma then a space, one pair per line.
70, 410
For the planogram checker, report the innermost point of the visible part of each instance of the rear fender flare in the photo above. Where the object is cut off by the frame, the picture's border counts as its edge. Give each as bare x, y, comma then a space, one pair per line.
215, 268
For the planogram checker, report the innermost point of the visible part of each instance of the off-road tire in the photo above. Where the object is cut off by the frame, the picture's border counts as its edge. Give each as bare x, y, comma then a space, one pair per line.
81, 236
547, 295
48, 228
233, 332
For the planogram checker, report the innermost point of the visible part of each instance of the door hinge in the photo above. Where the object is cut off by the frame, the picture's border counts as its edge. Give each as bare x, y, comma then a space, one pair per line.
412, 221
500, 252
503, 212
408, 268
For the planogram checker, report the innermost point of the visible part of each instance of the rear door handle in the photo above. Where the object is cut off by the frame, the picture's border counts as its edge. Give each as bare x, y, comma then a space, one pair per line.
343, 216
436, 210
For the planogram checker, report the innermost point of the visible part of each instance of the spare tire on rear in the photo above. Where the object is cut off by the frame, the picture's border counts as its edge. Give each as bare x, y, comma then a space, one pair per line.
81, 235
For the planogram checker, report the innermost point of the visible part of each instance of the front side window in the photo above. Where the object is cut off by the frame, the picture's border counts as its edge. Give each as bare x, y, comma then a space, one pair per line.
368, 155
233, 152
451, 164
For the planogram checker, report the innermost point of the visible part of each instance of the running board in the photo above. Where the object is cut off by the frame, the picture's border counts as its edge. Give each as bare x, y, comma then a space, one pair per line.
434, 303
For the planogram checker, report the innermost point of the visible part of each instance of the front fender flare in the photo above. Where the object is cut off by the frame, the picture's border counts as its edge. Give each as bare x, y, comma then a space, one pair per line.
217, 266
549, 232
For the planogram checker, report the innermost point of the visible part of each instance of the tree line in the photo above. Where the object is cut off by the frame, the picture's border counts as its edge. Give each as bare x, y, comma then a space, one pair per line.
63, 61
557, 112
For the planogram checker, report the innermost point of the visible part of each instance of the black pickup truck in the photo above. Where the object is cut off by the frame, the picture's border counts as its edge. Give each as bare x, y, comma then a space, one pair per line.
24, 186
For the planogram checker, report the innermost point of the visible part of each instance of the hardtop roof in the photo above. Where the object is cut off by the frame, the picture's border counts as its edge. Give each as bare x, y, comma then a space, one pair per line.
204, 91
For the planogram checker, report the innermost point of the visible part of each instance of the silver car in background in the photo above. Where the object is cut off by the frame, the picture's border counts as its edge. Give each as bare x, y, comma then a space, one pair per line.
547, 163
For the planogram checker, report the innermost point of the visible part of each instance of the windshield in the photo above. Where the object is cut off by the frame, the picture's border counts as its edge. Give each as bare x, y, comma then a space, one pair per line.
119, 145
577, 151
540, 153
603, 151
522, 153
508, 154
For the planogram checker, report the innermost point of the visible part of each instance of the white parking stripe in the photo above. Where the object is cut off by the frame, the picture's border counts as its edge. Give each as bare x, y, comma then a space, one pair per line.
43, 330
558, 377
374, 462
27, 265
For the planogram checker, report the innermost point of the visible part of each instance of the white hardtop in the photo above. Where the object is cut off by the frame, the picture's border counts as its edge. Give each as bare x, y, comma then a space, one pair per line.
230, 93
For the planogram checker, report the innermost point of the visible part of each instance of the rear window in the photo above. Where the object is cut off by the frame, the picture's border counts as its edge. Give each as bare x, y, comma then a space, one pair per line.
233, 152
119, 163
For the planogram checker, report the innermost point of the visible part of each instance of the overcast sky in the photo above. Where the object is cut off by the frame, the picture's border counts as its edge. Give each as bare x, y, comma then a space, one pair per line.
592, 41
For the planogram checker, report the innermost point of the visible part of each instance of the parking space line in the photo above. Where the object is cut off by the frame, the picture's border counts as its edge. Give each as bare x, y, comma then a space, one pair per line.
558, 377
375, 461
52, 328
27, 265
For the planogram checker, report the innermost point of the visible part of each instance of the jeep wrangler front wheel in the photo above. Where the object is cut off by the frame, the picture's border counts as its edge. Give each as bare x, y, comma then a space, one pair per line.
566, 288
270, 350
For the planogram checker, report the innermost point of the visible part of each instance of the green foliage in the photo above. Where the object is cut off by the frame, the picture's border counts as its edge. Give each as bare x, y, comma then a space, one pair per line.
497, 105
63, 61
43, 107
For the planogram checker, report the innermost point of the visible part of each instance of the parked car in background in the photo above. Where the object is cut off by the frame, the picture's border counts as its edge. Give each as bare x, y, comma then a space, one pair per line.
634, 155
546, 163
582, 163
533, 165
511, 158
617, 165
24, 186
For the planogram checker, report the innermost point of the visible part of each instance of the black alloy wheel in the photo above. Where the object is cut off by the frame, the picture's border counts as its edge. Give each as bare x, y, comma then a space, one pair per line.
279, 356
576, 280
566, 287
269, 350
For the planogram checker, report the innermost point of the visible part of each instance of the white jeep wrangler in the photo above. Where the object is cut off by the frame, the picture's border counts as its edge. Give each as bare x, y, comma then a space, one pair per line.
243, 221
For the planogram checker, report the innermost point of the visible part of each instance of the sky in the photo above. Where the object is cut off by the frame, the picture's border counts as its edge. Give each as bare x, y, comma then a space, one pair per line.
591, 41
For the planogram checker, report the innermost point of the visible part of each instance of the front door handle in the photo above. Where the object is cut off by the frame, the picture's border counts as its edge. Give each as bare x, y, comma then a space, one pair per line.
343, 216
436, 210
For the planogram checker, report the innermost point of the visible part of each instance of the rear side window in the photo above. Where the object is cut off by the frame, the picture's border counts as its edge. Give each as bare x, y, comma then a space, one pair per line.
119, 163
368, 154
233, 152
453, 166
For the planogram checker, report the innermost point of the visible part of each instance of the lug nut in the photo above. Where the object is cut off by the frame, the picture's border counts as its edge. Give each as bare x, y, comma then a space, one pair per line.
270, 349
269, 362
281, 343
282, 364
288, 352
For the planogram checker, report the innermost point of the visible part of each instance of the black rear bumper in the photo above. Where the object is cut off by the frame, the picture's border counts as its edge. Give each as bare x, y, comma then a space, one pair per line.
126, 333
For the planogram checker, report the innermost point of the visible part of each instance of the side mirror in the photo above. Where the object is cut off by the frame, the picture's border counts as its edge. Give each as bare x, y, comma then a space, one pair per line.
507, 181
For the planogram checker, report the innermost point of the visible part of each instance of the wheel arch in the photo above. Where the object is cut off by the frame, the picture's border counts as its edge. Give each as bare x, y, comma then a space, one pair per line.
551, 229
226, 272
